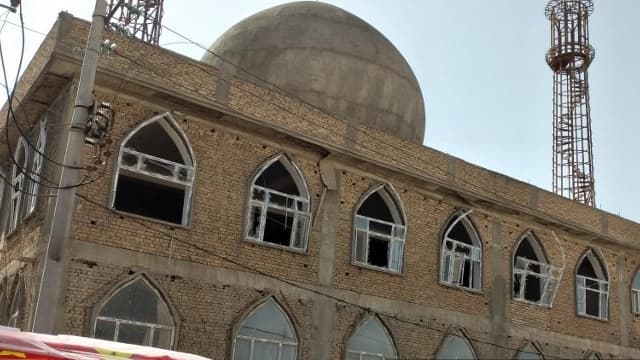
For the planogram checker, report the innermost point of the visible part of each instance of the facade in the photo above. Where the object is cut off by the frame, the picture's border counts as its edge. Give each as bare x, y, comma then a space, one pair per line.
230, 218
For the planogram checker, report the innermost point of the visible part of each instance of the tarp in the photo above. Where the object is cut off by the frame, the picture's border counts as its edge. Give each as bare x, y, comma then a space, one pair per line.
15, 344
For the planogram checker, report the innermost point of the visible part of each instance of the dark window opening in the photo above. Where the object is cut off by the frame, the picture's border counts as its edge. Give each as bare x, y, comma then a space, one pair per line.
154, 140
376, 208
533, 285
378, 252
532, 290
149, 199
586, 269
277, 177
277, 227
592, 302
466, 271
459, 232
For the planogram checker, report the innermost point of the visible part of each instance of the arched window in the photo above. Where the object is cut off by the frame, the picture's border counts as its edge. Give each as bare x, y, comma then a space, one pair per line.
279, 210
156, 169
534, 280
529, 352
379, 230
594, 356
135, 313
635, 293
592, 287
456, 346
461, 254
17, 183
266, 334
36, 168
371, 341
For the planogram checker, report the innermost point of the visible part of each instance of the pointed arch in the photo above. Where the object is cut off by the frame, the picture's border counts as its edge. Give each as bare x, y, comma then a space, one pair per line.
379, 229
534, 279
18, 291
592, 286
461, 253
36, 167
371, 339
265, 333
635, 293
279, 210
155, 172
136, 311
529, 351
594, 356
456, 346
21, 158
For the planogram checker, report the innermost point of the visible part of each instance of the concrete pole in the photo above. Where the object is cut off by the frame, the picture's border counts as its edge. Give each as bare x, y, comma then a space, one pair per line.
50, 297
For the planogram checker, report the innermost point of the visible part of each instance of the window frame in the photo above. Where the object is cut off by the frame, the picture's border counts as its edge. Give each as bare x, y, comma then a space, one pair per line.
461, 333
265, 205
530, 348
635, 294
247, 315
549, 275
392, 200
599, 266
460, 216
37, 162
158, 292
18, 187
360, 354
181, 141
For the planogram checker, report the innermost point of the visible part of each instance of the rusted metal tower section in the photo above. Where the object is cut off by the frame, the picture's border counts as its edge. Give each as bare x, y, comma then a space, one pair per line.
141, 19
569, 57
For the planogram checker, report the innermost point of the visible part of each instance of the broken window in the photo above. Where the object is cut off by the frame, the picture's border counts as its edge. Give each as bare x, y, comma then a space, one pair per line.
36, 168
371, 341
379, 230
592, 298
534, 280
17, 183
529, 352
635, 293
135, 314
461, 254
279, 211
266, 334
17, 299
456, 346
155, 172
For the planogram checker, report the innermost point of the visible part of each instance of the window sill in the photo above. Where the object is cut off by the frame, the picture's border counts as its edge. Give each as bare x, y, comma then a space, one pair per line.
527, 302
150, 219
451, 286
276, 246
591, 317
376, 268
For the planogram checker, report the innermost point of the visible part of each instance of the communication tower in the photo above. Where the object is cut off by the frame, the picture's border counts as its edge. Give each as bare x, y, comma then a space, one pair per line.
141, 19
569, 57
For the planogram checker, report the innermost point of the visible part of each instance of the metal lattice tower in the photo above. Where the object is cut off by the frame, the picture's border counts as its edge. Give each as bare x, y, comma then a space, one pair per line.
569, 57
141, 19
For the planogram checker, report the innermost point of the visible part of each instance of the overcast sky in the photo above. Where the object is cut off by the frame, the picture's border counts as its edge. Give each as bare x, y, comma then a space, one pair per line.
481, 68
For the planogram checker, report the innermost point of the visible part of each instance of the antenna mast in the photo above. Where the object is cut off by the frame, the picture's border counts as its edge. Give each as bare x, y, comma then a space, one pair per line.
569, 57
141, 19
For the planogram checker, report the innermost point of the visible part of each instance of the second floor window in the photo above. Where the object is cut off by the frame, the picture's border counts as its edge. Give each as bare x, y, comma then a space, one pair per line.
461, 254
156, 170
592, 287
534, 279
18, 184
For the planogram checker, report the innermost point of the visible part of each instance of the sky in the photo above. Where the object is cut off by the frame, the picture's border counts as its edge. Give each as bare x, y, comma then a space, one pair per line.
481, 68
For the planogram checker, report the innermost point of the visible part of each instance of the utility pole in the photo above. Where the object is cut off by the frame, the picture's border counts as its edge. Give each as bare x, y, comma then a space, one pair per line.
50, 292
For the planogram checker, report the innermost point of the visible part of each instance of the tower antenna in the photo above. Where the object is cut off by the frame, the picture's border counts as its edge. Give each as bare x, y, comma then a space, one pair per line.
569, 57
141, 19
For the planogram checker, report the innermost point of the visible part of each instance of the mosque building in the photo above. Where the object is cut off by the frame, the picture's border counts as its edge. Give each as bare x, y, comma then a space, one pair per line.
274, 201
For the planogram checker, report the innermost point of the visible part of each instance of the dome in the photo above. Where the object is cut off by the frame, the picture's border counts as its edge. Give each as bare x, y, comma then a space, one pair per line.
329, 58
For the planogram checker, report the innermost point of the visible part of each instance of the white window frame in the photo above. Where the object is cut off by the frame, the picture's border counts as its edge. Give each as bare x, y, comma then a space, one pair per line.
117, 321
176, 180
254, 339
635, 295
530, 349
369, 355
601, 288
36, 168
17, 186
452, 262
448, 338
299, 209
396, 237
548, 275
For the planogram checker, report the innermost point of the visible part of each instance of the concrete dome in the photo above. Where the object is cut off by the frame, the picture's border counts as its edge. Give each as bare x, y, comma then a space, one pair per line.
331, 59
